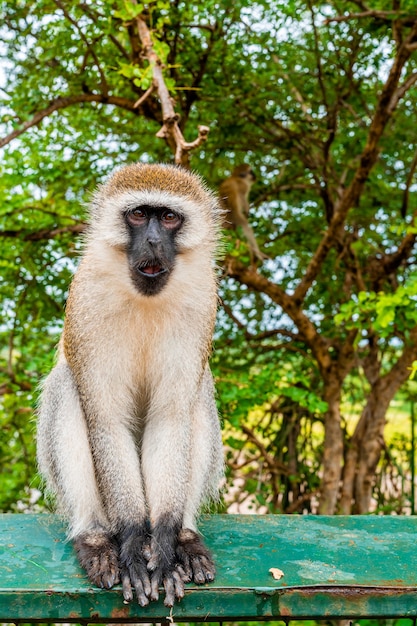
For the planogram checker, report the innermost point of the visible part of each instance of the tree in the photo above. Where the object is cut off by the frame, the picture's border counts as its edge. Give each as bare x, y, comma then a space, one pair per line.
320, 99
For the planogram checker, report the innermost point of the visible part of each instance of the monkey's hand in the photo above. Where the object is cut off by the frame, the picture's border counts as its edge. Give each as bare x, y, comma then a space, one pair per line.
134, 571
195, 561
98, 554
162, 566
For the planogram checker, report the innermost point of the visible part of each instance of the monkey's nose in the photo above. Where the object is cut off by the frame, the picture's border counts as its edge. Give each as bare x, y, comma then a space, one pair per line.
153, 233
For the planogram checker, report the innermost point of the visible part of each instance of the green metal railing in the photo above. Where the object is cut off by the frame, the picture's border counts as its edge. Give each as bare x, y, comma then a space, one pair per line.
333, 567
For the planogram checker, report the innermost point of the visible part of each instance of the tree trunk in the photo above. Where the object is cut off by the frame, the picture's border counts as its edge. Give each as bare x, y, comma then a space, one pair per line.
333, 449
349, 470
369, 451
372, 368
366, 444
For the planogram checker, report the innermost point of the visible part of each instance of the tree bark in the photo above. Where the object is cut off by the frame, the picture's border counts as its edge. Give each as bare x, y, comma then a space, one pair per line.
370, 445
333, 449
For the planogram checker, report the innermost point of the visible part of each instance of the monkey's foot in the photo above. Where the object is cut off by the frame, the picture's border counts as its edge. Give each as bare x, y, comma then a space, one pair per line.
98, 554
134, 571
195, 561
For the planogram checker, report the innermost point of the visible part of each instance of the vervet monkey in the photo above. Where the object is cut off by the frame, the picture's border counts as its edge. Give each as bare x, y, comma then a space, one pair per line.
234, 198
128, 433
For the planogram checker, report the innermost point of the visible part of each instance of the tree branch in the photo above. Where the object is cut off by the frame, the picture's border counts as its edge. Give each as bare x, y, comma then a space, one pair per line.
260, 336
94, 16
45, 233
307, 331
387, 102
273, 464
402, 89
400, 371
64, 102
170, 130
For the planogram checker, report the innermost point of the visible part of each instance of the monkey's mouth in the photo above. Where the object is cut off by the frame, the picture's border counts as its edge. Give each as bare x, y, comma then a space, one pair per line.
151, 270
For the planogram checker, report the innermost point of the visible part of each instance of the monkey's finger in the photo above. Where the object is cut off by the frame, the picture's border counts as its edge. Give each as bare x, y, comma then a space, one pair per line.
136, 576
208, 568
154, 595
93, 570
103, 573
110, 579
109, 570
127, 587
142, 590
142, 597
174, 588
198, 574
169, 591
210, 576
153, 562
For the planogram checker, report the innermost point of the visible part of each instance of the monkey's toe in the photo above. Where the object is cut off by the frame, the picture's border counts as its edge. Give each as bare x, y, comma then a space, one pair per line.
195, 561
199, 569
203, 570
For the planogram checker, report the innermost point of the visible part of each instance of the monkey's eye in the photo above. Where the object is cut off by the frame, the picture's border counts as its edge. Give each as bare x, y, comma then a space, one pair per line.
136, 217
171, 219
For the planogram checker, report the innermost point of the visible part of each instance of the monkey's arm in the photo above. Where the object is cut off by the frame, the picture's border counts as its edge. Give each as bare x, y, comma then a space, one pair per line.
119, 477
177, 411
244, 205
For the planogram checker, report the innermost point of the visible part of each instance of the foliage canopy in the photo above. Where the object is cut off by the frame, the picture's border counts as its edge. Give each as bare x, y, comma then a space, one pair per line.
320, 98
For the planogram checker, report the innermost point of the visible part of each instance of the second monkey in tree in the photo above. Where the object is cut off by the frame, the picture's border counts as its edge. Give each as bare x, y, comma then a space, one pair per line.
234, 198
128, 433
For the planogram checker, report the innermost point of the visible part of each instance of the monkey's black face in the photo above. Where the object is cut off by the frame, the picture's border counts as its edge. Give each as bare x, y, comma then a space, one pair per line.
152, 251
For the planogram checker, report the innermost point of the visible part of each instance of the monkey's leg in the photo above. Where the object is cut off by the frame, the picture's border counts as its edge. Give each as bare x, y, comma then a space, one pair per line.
65, 461
207, 468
